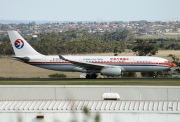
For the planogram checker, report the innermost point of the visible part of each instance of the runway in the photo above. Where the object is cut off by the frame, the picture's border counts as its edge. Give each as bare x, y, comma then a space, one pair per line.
83, 79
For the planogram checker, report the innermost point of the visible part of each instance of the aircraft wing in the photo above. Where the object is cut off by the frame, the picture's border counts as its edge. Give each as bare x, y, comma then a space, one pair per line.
86, 65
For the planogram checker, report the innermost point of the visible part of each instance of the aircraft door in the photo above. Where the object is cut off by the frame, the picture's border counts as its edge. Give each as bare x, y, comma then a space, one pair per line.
132, 67
156, 63
132, 60
44, 60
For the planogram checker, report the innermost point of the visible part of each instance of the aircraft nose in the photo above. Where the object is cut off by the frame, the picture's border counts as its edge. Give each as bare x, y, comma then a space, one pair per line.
171, 64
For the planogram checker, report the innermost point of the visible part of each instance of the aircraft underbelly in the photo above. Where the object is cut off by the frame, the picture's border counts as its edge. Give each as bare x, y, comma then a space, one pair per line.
138, 68
57, 67
131, 68
144, 68
160, 68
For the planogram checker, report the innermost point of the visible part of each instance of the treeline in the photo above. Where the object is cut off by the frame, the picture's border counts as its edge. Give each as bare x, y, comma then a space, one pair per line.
73, 42
49, 46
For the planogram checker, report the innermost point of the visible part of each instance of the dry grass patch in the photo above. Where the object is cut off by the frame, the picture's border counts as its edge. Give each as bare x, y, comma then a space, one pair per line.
15, 69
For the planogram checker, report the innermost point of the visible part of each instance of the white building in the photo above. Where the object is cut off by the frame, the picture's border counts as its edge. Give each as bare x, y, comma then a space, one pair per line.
69, 103
107, 111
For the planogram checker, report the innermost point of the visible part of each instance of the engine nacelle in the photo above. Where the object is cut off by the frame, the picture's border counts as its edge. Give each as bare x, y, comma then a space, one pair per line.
111, 71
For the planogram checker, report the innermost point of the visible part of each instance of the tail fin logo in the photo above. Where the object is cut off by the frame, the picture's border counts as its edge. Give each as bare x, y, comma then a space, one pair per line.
19, 43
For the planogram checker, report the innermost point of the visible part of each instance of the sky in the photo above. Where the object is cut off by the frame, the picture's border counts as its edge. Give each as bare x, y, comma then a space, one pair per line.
90, 10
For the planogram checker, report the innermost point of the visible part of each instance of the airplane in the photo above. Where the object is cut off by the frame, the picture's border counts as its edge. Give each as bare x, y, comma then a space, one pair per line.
91, 65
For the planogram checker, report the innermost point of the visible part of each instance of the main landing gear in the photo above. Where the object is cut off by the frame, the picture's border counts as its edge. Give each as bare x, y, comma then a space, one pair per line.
91, 76
155, 75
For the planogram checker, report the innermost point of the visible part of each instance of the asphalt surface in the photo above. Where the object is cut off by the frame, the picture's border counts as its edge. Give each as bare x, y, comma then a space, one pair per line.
83, 79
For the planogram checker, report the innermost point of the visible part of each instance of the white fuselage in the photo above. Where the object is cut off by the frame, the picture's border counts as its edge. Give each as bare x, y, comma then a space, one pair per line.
127, 63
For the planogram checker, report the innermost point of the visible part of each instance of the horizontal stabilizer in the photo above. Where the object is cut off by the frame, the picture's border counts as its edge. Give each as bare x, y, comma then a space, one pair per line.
23, 59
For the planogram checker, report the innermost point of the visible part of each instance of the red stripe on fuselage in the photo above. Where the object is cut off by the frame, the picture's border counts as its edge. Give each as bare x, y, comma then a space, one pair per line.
110, 63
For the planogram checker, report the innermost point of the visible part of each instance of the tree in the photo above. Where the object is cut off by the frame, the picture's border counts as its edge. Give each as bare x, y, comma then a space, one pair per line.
116, 51
157, 74
129, 74
143, 47
6, 49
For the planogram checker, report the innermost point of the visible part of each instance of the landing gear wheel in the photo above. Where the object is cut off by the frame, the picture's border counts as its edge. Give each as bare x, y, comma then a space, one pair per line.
91, 76
88, 76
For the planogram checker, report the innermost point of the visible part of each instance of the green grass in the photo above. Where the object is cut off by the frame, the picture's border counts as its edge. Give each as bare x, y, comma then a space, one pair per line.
133, 82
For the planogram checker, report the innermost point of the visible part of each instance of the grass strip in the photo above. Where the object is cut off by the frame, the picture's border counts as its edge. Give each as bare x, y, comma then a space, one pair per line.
133, 83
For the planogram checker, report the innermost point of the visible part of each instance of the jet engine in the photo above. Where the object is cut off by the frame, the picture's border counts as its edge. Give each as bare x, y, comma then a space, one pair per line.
111, 71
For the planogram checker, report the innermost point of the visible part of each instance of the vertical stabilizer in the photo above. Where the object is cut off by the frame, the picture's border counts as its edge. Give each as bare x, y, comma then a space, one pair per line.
20, 45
